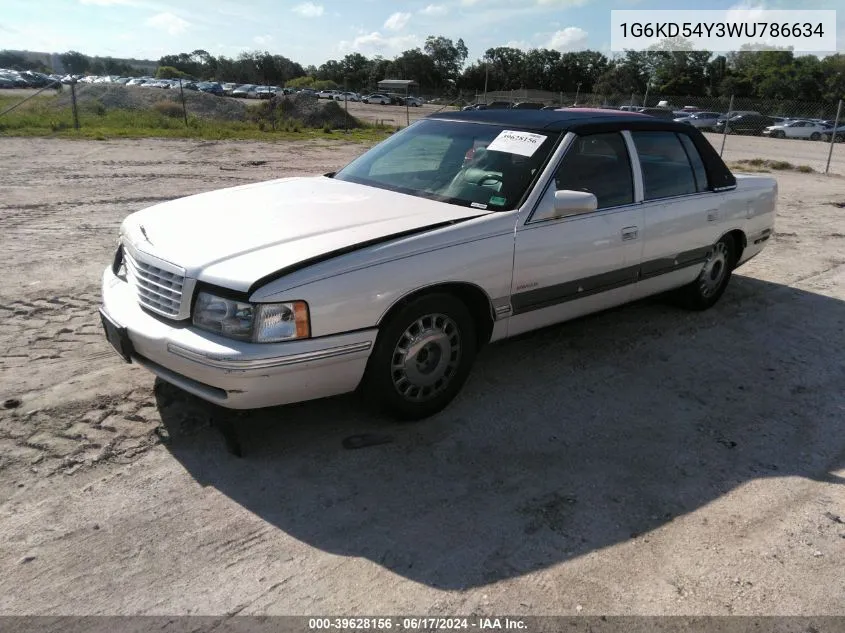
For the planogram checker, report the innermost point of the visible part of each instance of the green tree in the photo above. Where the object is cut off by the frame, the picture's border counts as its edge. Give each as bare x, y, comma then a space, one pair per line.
506, 64
169, 72
74, 62
447, 57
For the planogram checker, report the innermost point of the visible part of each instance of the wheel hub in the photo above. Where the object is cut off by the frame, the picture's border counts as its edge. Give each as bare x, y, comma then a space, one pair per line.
714, 271
425, 357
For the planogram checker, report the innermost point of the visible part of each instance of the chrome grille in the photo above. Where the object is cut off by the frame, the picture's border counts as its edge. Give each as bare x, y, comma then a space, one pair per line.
157, 289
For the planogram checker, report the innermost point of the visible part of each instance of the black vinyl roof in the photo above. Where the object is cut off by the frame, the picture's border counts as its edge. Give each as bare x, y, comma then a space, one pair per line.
560, 120
594, 121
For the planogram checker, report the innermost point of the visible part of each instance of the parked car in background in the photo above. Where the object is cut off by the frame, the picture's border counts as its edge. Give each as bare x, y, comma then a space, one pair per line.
347, 96
660, 113
211, 87
326, 94
702, 120
377, 98
263, 92
811, 130
838, 133
6, 81
245, 91
305, 296
497, 105
36, 80
527, 105
414, 102
744, 124
228, 87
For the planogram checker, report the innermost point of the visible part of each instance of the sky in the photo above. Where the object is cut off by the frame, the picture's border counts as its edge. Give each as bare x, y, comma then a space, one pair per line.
313, 31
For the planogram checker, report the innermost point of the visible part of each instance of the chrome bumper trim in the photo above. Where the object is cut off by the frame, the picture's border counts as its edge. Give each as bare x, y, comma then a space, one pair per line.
228, 362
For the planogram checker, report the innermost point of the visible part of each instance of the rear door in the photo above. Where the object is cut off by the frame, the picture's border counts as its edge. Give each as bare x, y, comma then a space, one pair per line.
568, 266
682, 218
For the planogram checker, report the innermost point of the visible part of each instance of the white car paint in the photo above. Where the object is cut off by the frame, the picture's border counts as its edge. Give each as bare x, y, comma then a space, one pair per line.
309, 217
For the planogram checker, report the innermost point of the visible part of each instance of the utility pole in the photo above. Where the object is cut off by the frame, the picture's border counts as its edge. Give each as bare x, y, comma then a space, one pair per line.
486, 76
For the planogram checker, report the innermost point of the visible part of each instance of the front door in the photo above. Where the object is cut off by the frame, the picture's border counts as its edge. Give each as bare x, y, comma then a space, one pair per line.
565, 267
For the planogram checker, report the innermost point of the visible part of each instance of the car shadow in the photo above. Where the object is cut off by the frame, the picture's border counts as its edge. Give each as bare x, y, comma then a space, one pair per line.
565, 441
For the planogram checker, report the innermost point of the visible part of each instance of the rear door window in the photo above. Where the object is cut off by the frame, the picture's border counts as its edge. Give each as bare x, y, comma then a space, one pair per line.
666, 168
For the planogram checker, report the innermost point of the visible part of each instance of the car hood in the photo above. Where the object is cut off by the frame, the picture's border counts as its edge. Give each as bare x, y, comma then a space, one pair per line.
233, 237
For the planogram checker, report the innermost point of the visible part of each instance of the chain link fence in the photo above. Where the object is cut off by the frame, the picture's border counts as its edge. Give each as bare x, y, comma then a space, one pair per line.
804, 134
801, 134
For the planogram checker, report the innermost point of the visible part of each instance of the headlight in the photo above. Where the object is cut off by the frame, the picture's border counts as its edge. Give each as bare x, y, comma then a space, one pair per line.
254, 322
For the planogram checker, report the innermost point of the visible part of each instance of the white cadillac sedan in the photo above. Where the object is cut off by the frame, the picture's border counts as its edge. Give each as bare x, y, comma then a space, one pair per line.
388, 276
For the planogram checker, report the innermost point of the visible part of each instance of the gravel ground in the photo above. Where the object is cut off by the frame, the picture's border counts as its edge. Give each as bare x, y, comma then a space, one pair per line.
642, 461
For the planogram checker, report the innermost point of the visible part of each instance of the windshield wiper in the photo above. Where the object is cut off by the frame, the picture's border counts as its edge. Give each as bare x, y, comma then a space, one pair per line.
330, 174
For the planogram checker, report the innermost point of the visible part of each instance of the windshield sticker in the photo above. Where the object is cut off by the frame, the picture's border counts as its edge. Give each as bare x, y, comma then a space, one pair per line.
497, 200
478, 205
513, 142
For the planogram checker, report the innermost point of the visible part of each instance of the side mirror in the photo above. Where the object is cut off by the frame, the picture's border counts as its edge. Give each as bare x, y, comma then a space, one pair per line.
569, 202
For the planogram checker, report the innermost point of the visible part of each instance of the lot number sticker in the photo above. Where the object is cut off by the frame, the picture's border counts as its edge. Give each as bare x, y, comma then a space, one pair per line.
513, 142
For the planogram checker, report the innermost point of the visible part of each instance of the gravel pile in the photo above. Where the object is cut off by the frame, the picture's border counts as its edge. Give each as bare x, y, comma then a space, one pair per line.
110, 97
313, 112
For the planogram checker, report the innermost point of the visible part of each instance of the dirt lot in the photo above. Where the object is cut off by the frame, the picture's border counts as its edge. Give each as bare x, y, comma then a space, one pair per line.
642, 461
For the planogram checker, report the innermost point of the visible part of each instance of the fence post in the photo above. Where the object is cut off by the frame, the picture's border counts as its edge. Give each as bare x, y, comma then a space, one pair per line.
73, 104
727, 123
184, 109
833, 133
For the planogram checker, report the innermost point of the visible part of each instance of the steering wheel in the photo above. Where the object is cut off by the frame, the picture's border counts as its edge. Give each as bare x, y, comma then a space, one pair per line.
480, 177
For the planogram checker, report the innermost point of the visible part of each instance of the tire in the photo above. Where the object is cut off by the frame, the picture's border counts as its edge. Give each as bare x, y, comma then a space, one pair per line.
412, 385
815, 136
779, 134
708, 288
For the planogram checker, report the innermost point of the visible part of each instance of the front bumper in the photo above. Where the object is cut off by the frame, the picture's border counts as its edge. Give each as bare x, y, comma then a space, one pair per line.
231, 373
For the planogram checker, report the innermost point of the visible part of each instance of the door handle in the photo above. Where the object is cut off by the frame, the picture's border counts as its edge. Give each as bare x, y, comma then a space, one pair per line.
629, 233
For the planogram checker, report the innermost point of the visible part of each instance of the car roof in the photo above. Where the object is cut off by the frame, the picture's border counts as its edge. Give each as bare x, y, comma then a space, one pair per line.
594, 120
561, 120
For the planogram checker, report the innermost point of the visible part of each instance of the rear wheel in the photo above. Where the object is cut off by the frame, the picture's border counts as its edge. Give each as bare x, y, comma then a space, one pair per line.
779, 134
707, 289
815, 136
422, 357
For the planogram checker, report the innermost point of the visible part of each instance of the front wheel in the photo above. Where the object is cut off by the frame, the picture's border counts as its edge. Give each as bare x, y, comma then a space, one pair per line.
422, 357
705, 291
815, 136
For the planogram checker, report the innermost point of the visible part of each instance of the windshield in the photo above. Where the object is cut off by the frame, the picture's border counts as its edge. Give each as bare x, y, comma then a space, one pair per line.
467, 164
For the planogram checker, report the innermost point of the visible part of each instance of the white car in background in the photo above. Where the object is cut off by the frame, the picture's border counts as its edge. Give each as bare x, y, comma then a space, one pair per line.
701, 120
377, 98
797, 129
347, 96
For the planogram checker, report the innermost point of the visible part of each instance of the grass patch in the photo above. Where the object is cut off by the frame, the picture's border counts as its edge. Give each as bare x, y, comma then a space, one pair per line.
40, 117
765, 165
